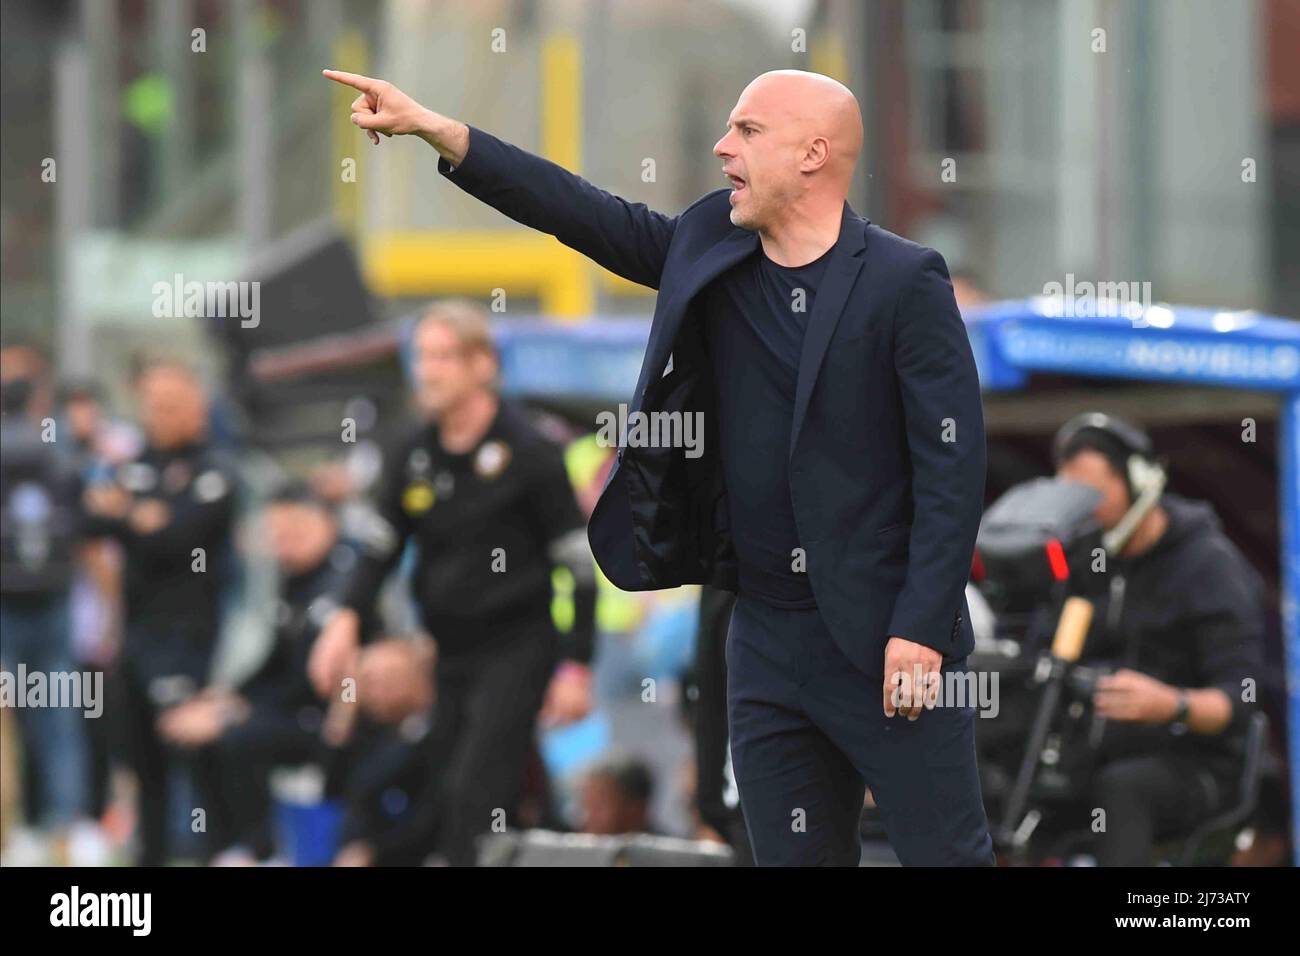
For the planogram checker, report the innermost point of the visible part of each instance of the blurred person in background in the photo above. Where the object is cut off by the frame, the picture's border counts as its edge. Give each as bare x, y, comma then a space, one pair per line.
171, 509
272, 718
100, 444
385, 766
101, 441
968, 290
487, 502
1179, 613
40, 525
615, 798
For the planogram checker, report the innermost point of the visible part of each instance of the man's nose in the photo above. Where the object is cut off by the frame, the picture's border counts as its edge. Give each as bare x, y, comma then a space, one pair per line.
721, 149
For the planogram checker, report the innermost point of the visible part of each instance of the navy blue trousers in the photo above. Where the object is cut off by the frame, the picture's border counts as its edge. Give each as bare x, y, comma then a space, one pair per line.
809, 734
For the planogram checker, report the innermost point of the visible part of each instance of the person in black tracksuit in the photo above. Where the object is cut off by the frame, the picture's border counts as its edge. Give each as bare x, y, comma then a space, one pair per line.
1180, 615
486, 501
172, 510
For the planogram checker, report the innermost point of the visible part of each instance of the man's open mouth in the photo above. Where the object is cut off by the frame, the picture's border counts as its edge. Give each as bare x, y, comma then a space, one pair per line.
737, 184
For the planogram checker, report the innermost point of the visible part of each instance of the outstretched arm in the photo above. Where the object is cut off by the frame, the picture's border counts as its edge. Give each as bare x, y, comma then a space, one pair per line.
626, 238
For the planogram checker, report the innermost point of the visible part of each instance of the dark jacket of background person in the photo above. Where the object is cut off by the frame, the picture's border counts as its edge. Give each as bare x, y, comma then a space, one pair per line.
887, 452
40, 513
523, 511
172, 610
305, 602
1192, 616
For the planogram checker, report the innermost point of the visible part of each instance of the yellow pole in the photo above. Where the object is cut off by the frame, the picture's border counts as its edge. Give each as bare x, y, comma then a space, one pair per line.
351, 54
568, 292
829, 59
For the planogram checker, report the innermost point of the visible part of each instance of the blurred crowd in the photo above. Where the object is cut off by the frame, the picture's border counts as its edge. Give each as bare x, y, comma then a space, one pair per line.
143, 557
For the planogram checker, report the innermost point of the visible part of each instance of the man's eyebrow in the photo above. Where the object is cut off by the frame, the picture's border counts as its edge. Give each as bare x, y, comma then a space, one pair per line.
744, 121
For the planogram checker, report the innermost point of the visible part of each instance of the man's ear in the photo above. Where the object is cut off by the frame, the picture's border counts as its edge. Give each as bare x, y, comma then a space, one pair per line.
815, 155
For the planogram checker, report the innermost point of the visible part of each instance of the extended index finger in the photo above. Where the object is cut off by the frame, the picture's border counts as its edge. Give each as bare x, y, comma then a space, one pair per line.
365, 84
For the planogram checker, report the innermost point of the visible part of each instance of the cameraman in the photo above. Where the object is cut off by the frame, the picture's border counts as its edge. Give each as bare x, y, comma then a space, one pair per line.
1181, 613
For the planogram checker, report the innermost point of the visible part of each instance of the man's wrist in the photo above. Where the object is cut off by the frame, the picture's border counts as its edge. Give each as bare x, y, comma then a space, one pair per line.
1182, 710
449, 137
430, 126
232, 709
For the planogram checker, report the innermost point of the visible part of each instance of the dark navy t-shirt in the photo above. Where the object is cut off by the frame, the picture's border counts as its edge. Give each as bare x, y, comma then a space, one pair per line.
755, 317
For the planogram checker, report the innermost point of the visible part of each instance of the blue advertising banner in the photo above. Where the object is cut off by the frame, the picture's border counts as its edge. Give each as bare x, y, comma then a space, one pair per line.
1160, 343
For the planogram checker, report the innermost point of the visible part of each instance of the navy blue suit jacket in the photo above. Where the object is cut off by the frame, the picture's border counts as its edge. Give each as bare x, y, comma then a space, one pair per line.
887, 454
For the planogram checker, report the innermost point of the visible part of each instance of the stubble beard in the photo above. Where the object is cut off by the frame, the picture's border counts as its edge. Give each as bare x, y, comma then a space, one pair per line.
745, 219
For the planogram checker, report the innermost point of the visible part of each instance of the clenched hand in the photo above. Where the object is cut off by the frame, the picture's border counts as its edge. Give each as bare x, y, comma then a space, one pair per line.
911, 674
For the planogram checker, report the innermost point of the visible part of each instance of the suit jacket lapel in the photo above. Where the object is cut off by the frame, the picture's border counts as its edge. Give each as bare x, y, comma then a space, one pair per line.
722, 255
841, 272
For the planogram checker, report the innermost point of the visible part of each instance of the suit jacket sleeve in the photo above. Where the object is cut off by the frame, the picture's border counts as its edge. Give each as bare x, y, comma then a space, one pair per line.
940, 393
626, 238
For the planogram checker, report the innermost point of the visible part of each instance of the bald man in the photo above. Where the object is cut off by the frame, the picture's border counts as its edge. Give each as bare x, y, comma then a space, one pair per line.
839, 483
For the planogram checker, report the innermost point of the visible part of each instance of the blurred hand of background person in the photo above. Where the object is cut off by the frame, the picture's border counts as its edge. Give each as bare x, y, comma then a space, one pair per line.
108, 501
149, 516
1130, 695
333, 482
335, 651
568, 697
200, 720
